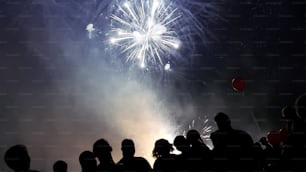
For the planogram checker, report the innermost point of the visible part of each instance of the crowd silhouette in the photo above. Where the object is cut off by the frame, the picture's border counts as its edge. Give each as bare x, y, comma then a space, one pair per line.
233, 150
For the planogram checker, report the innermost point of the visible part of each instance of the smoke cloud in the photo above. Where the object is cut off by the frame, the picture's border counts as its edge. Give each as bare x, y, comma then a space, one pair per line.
76, 96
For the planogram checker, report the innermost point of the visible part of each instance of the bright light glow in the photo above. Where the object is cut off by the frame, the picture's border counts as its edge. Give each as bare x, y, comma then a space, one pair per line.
90, 27
142, 65
120, 32
126, 4
148, 30
139, 38
112, 40
176, 45
167, 67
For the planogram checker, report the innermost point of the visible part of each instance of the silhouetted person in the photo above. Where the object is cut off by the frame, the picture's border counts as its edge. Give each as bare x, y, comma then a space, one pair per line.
300, 105
294, 152
60, 166
289, 116
88, 161
129, 162
270, 155
181, 144
200, 155
102, 150
232, 148
165, 161
259, 156
18, 159
182, 160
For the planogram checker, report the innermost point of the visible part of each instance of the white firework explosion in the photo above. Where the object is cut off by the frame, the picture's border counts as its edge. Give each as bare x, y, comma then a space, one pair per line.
153, 32
204, 125
144, 30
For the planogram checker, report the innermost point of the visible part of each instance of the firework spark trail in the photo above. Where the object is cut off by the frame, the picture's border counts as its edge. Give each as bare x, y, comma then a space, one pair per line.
203, 125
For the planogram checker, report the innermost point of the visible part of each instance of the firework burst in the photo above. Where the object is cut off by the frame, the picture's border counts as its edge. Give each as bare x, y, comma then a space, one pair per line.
204, 125
154, 32
145, 31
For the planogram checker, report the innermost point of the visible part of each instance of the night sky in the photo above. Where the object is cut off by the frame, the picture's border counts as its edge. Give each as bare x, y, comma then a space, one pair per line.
49, 70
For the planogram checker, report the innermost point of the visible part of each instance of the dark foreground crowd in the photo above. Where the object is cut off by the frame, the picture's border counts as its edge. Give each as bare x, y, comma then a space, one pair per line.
234, 150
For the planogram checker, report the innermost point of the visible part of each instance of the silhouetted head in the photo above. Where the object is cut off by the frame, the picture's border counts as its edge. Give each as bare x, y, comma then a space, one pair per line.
17, 158
194, 137
88, 161
300, 105
289, 113
162, 148
289, 116
102, 149
128, 148
181, 143
60, 166
223, 121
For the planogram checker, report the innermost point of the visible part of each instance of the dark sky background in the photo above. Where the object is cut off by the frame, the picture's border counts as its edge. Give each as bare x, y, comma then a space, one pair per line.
49, 72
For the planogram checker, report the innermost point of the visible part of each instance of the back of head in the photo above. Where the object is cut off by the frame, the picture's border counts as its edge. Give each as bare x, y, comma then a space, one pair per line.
17, 158
181, 143
128, 148
289, 113
101, 148
162, 148
193, 136
87, 161
60, 166
223, 121
300, 105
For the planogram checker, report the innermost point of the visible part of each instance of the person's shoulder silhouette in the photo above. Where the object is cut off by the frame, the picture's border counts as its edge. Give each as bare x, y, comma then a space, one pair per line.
129, 162
60, 166
200, 155
233, 149
226, 136
182, 145
18, 159
183, 160
198, 147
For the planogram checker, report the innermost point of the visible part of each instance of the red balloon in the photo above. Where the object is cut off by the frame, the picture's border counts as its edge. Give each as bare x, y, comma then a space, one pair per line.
284, 134
274, 138
238, 84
